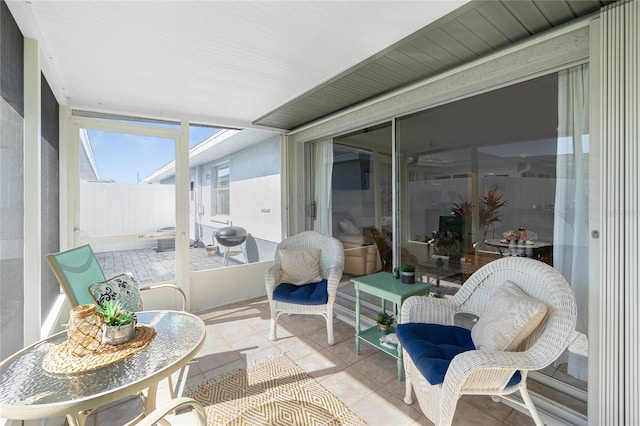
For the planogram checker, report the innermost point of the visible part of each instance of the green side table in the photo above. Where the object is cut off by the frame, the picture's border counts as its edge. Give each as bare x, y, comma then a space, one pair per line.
383, 285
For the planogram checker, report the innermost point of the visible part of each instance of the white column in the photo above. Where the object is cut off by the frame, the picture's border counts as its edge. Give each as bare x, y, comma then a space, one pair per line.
32, 192
614, 382
182, 212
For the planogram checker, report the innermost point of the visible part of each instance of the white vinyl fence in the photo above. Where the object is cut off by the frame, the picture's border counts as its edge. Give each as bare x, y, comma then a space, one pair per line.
117, 209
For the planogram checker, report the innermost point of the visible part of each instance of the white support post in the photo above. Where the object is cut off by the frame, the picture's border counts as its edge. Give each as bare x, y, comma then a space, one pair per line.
182, 212
32, 192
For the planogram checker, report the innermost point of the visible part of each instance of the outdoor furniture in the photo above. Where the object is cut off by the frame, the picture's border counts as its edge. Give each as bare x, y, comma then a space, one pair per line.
315, 297
29, 392
173, 406
77, 270
497, 371
228, 237
360, 251
387, 288
384, 249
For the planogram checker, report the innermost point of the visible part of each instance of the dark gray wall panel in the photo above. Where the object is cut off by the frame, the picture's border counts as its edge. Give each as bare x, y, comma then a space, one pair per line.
11, 177
11, 46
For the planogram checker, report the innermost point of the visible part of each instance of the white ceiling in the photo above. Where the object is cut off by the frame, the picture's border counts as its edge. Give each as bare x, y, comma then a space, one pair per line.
224, 63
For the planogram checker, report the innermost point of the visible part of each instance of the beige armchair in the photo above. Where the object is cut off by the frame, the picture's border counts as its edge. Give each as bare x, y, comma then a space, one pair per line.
360, 251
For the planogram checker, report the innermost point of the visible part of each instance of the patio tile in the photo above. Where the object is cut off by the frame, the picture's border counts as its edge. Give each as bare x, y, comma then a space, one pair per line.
350, 386
383, 409
237, 336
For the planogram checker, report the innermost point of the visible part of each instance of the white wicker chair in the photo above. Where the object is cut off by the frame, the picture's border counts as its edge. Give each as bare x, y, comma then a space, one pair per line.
487, 372
331, 266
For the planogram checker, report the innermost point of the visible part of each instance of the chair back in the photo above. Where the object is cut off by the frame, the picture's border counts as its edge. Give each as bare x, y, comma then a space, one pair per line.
331, 249
384, 250
537, 280
75, 270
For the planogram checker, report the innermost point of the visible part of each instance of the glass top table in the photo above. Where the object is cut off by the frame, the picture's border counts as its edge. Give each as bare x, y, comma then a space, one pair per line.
29, 392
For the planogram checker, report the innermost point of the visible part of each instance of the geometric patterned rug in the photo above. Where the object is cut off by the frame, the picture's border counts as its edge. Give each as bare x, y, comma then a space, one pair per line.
276, 392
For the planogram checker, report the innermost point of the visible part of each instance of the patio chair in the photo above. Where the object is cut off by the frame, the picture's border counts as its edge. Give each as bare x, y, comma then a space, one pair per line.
77, 268
82, 279
304, 278
158, 415
526, 315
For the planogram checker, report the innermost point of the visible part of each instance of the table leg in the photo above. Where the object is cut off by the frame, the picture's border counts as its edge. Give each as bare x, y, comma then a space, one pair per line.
150, 403
78, 419
357, 320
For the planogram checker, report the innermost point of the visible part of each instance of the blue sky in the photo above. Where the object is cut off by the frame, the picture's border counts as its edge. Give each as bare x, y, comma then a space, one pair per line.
126, 158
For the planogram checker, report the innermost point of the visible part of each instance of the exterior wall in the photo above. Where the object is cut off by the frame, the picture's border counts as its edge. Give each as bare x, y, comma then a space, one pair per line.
254, 192
11, 177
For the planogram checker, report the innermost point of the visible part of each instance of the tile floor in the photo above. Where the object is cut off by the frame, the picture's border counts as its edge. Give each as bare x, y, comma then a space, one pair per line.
238, 335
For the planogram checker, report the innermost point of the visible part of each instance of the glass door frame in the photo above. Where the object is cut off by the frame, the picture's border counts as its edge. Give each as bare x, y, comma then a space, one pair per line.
70, 126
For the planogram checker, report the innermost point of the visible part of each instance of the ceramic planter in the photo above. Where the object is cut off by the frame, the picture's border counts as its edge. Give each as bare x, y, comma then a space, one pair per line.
118, 334
408, 277
383, 328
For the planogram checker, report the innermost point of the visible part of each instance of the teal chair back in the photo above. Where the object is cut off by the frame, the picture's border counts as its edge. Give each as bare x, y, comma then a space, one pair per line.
75, 270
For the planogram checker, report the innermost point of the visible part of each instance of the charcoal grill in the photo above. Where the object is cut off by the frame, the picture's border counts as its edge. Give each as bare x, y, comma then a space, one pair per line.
229, 237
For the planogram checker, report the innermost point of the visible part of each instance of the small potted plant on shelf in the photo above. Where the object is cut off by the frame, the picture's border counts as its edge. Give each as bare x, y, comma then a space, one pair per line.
119, 324
408, 274
384, 322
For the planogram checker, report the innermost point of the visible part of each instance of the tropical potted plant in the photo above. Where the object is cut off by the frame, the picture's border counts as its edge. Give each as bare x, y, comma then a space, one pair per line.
408, 274
119, 324
384, 322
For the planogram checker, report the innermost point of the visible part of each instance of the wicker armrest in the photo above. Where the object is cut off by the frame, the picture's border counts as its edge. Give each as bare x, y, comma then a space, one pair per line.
428, 310
272, 278
482, 370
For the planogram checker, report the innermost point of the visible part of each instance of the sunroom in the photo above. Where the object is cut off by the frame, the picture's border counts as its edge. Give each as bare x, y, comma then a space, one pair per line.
484, 119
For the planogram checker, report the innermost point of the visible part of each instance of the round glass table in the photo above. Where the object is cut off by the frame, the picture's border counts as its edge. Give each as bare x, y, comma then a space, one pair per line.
27, 391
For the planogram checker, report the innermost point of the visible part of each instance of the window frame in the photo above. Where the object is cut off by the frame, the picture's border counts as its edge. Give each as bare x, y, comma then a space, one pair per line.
216, 190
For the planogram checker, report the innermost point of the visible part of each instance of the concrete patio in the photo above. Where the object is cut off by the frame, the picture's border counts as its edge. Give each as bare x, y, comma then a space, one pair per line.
152, 266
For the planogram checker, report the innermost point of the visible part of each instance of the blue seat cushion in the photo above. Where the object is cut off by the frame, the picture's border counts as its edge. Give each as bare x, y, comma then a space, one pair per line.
432, 347
307, 294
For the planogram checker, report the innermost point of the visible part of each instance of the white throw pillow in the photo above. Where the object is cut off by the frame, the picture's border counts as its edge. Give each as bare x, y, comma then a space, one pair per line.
507, 320
349, 228
300, 266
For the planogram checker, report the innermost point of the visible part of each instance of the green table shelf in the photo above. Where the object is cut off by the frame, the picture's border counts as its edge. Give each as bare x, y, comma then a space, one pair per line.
383, 285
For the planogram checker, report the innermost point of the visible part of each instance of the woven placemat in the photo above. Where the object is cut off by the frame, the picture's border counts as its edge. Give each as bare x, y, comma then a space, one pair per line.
59, 360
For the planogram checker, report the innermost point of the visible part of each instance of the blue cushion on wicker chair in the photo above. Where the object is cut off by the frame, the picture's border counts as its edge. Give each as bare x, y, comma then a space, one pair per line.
432, 347
307, 294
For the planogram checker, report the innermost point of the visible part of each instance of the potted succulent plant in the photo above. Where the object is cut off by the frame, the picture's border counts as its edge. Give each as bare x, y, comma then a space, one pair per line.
408, 274
119, 324
384, 322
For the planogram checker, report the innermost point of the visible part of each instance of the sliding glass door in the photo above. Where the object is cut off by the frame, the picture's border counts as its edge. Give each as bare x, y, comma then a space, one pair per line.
510, 165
